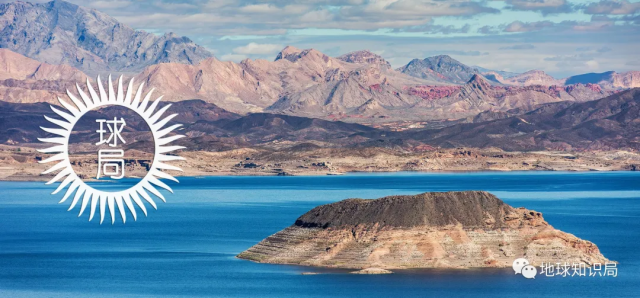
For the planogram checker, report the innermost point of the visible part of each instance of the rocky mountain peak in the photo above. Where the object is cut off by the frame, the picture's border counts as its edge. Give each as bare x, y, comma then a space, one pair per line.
536, 73
534, 77
481, 85
310, 56
443, 58
60, 32
478, 79
364, 57
441, 68
288, 53
444, 63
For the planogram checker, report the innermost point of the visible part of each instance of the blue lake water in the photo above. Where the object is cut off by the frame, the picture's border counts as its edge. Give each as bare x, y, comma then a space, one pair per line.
187, 246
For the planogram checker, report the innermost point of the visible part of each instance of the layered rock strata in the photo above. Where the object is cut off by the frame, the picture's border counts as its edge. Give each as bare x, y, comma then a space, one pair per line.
431, 230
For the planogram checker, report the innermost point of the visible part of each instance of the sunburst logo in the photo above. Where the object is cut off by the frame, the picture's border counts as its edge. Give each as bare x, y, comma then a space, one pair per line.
162, 137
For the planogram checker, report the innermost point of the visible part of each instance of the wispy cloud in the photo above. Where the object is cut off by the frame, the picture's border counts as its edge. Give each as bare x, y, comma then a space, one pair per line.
518, 26
612, 7
526, 46
258, 49
543, 6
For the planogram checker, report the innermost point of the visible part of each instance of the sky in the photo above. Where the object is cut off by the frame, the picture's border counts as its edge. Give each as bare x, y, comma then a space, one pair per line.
561, 37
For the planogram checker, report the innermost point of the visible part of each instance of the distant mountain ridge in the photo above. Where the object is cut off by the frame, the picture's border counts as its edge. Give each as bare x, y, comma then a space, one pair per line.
443, 68
608, 80
358, 87
300, 83
603, 124
439, 68
26, 80
60, 32
606, 124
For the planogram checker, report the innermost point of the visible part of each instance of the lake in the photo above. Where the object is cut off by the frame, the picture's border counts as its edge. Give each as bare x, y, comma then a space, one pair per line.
187, 247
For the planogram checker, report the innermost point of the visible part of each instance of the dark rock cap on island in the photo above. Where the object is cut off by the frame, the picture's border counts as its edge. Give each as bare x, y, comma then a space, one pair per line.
471, 209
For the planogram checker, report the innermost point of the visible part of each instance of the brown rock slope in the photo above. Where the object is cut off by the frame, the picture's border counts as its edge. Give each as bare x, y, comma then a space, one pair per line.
430, 230
24, 80
478, 95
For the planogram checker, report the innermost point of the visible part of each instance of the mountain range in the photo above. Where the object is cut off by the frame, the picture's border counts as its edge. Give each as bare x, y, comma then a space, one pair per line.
60, 32
443, 68
47, 48
302, 83
358, 87
604, 124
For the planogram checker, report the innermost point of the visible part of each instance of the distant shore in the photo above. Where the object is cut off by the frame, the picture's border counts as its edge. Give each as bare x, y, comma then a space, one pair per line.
23, 165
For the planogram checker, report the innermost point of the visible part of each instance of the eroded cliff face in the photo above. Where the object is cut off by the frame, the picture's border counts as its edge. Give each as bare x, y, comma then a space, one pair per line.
430, 230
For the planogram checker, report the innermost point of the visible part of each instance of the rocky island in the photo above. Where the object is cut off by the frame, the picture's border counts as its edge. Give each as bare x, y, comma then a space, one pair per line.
467, 229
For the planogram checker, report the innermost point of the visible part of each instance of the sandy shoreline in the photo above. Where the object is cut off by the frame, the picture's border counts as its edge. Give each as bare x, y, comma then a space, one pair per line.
23, 165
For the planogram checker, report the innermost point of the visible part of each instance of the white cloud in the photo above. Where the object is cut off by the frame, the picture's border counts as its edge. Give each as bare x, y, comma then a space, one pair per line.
518, 26
543, 6
109, 4
258, 49
233, 57
613, 7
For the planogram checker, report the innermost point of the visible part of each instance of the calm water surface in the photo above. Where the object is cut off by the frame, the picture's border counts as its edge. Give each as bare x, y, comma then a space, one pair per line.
187, 246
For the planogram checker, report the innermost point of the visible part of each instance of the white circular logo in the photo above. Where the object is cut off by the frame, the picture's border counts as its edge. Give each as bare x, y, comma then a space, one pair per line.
147, 185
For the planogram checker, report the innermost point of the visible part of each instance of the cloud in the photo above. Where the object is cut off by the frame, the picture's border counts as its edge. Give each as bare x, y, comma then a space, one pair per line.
571, 58
616, 25
526, 46
238, 17
436, 29
633, 63
457, 52
411, 9
543, 6
109, 4
233, 57
600, 50
612, 7
582, 66
604, 49
518, 26
258, 49
488, 30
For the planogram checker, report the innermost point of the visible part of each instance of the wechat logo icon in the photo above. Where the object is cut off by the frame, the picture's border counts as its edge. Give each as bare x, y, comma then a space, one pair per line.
522, 266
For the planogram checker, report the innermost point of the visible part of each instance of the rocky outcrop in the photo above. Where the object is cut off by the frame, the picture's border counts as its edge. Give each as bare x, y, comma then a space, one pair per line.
365, 57
439, 68
59, 32
431, 230
533, 77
